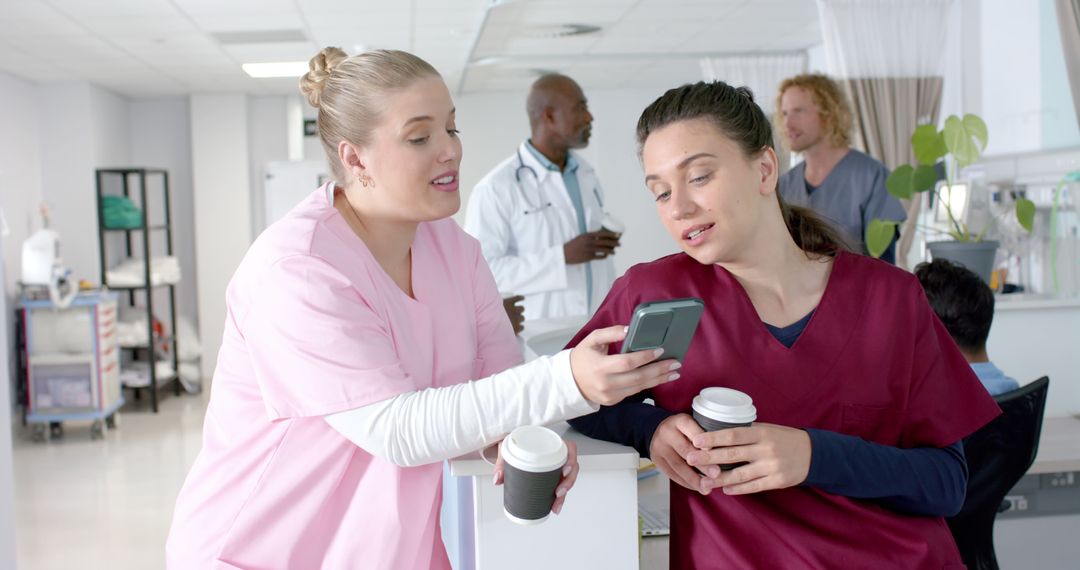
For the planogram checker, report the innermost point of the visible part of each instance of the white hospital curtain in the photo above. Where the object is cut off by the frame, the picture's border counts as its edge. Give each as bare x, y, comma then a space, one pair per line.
763, 75
889, 56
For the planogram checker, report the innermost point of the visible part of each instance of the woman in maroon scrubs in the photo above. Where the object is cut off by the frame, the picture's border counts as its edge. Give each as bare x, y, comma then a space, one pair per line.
862, 397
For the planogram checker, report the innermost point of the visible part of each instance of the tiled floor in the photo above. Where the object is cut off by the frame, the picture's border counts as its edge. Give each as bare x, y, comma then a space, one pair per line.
107, 504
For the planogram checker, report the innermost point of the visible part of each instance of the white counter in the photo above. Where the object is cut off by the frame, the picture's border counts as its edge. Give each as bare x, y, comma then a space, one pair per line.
596, 529
1034, 336
1059, 446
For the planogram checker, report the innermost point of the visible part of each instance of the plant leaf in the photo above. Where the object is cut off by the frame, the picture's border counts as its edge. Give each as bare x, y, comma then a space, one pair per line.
900, 182
1025, 213
977, 128
960, 141
928, 144
879, 234
924, 178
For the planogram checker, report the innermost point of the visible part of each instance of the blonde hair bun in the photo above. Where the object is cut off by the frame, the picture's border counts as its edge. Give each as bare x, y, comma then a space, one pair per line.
321, 66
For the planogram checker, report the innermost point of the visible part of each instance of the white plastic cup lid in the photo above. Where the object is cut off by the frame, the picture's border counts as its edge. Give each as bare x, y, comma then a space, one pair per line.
725, 405
611, 223
534, 448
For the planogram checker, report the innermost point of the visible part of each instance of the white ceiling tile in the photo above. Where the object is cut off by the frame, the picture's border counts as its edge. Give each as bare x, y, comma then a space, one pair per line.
449, 18
142, 47
194, 44
72, 48
330, 5
373, 39
242, 22
103, 9
357, 20
253, 8
259, 53
140, 26
57, 25
22, 12
29, 67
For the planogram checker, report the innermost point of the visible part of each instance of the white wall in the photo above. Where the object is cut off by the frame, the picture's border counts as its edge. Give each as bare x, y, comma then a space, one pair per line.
1010, 86
109, 122
82, 127
160, 137
20, 169
815, 59
267, 142
491, 125
1060, 127
20, 194
221, 177
67, 172
1025, 101
7, 473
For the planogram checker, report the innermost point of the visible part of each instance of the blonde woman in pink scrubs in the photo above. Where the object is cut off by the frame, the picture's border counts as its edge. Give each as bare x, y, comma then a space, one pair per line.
365, 342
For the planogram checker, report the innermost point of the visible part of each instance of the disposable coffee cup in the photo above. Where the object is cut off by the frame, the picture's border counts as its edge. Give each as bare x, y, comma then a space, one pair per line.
715, 409
612, 225
533, 458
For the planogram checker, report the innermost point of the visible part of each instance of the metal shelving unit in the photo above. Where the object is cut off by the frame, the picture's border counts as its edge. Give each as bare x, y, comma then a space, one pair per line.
133, 183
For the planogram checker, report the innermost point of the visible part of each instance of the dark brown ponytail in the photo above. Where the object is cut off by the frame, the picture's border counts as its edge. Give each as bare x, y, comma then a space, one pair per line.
810, 231
733, 111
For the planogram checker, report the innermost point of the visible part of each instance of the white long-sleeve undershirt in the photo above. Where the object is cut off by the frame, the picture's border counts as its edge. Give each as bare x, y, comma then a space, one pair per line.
434, 424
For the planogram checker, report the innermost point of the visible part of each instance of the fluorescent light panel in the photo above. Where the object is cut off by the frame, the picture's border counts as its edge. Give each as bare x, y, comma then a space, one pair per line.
276, 69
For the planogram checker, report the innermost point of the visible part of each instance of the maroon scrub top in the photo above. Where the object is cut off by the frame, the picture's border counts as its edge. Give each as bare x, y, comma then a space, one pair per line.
874, 362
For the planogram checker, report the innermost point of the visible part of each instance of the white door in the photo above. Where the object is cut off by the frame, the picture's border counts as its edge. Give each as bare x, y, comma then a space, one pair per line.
286, 184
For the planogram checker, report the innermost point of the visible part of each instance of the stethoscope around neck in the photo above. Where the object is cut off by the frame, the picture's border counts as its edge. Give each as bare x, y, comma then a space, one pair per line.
541, 204
530, 206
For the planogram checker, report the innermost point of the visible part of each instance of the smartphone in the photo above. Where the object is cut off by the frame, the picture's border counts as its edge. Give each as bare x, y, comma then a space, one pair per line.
664, 324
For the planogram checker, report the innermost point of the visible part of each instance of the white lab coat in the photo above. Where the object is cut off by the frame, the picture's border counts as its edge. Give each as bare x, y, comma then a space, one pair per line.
522, 237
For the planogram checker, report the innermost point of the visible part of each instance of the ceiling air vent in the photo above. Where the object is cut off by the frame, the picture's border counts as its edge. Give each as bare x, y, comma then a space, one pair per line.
559, 30
259, 36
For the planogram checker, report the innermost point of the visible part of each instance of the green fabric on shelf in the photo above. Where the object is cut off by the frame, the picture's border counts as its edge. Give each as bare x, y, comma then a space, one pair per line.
120, 213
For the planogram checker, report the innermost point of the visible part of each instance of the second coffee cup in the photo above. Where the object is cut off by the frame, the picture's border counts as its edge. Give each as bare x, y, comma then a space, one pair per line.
721, 408
533, 458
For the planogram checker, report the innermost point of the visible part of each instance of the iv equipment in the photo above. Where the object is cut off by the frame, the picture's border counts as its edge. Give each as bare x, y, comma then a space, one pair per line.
42, 266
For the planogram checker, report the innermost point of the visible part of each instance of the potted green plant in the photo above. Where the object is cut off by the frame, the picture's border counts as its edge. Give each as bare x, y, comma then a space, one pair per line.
960, 143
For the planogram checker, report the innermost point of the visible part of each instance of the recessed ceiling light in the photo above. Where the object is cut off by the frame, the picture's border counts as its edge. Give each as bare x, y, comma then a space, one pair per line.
276, 69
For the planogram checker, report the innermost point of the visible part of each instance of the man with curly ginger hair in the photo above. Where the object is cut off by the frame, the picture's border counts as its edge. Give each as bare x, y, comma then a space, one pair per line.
840, 183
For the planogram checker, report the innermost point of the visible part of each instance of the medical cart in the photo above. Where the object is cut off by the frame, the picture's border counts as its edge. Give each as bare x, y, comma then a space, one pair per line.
71, 363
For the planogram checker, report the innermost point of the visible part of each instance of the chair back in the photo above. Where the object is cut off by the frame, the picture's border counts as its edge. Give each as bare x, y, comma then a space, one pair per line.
998, 455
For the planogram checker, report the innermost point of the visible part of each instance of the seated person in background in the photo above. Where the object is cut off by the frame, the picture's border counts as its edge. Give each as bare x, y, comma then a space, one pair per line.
965, 305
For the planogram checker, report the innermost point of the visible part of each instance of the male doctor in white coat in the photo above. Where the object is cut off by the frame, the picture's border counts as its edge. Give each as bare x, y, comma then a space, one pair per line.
538, 215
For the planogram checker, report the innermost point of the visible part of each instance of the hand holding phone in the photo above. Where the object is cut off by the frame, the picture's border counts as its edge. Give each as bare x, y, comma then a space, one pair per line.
664, 324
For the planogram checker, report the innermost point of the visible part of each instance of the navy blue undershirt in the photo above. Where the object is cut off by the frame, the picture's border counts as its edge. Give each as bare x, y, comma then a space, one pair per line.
926, 481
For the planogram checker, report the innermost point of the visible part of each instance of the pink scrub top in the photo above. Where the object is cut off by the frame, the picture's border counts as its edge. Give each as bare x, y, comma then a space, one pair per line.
874, 362
314, 326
